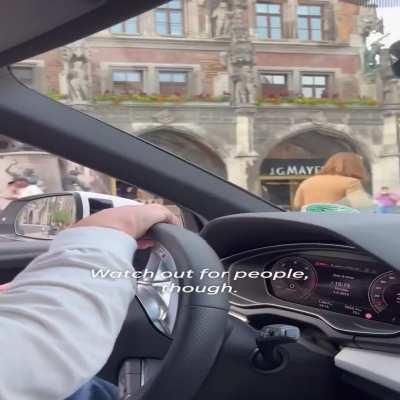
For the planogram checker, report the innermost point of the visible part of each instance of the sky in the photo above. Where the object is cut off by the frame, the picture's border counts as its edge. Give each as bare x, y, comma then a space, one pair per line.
391, 22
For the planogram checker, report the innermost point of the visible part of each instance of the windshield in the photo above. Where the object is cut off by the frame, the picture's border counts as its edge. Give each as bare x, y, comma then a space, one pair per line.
295, 101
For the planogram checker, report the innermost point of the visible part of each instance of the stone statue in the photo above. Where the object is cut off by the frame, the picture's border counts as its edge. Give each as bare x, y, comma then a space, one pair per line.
329, 22
33, 179
390, 89
28, 173
71, 181
372, 57
204, 17
221, 20
394, 51
368, 24
241, 58
245, 87
76, 72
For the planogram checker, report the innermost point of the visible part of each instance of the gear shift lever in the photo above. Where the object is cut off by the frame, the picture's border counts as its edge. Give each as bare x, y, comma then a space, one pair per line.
270, 337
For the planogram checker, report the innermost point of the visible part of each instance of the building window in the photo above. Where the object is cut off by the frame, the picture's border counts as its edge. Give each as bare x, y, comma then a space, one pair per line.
310, 22
314, 86
173, 83
127, 81
274, 85
169, 19
128, 27
25, 75
268, 21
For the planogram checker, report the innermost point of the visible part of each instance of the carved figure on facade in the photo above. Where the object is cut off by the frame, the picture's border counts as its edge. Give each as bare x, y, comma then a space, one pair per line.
369, 23
221, 20
71, 181
372, 56
245, 86
76, 72
28, 174
390, 83
241, 58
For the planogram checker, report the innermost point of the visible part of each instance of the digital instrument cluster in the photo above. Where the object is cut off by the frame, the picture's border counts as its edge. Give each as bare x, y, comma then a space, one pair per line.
349, 290
344, 286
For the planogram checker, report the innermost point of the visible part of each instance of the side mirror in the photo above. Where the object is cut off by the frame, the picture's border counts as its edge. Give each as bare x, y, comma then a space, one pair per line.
43, 216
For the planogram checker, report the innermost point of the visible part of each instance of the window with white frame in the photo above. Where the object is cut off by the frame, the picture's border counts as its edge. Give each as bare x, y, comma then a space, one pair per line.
173, 83
309, 22
314, 86
169, 19
127, 81
128, 27
268, 20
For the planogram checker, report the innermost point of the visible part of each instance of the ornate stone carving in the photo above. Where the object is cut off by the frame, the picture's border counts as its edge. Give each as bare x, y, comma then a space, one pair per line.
394, 52
245, 86
318, 119
368, 24
28, 173
71, 181
241, 58
75, 75
221, 20
390, 84
164, 117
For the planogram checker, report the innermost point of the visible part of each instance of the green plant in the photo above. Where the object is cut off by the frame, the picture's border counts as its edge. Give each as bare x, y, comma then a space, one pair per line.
56, 96
157, 98
312, 101
61, 218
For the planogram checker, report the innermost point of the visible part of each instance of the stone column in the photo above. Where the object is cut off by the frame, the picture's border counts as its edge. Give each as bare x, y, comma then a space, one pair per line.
289, 17
245, 154
191, 17
386, 169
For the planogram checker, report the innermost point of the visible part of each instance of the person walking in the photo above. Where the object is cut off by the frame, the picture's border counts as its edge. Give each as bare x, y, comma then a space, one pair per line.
340, 181
386, 200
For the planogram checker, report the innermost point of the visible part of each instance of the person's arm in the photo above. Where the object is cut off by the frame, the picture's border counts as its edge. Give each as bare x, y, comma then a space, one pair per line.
58, 324
357, 196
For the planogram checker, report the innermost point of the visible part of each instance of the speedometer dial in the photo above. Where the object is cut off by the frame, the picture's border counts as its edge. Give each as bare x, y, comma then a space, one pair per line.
292, 289
384, 295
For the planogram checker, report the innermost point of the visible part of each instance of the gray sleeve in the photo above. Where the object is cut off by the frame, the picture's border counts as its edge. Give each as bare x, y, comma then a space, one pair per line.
58, 323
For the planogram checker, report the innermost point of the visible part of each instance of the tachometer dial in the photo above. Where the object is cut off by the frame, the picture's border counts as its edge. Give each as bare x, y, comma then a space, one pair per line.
384, 294
292, 289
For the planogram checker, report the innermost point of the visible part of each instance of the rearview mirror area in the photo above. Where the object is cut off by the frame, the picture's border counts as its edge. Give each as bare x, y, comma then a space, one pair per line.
44, 217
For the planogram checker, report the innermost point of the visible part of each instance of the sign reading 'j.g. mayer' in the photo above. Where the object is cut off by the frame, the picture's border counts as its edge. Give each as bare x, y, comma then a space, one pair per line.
291, 167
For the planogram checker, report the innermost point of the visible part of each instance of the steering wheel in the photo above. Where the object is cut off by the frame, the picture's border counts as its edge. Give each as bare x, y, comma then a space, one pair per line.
185, 334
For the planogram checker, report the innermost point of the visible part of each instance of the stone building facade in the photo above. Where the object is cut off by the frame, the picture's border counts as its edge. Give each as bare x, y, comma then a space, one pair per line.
258, 92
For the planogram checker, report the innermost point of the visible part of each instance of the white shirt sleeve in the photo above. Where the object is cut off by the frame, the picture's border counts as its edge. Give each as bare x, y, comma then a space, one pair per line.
31, 190
58, 324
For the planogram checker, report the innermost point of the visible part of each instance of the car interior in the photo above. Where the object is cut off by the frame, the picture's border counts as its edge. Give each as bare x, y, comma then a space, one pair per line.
334, 334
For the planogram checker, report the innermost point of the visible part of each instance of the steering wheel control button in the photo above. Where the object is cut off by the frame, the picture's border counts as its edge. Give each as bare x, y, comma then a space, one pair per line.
269, 355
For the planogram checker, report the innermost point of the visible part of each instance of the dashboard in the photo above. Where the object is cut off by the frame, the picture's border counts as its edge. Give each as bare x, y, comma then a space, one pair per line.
350, 291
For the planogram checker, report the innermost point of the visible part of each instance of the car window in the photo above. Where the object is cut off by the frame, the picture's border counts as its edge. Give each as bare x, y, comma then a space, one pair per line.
294, 101
28, 171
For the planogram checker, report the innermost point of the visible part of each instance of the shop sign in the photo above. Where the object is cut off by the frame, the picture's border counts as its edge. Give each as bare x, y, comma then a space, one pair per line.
291, 167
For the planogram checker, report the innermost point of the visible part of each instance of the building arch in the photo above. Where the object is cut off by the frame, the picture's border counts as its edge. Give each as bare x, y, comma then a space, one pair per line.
188, 146
336, 132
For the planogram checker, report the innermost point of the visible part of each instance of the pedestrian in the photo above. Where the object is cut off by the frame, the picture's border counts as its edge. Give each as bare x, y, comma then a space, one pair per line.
386, 200
340, 181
